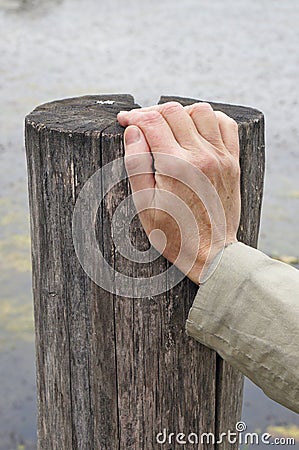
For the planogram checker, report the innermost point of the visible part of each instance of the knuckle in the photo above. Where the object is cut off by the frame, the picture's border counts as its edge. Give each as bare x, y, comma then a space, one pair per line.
234, 124
231, 121
225, 118
171, 107
202, 108
227, 166
206, 106
209, 164
220, 115
230, 165
151, 118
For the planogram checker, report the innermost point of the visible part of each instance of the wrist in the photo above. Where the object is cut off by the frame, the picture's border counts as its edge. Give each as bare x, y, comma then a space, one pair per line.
207, 262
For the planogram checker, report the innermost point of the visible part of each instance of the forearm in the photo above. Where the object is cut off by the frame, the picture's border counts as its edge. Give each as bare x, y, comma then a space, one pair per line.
248, 311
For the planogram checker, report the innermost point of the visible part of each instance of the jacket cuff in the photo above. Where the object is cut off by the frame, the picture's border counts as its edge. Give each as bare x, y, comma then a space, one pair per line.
248, 311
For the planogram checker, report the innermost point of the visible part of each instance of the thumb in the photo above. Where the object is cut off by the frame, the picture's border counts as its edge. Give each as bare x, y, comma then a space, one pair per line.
138, 159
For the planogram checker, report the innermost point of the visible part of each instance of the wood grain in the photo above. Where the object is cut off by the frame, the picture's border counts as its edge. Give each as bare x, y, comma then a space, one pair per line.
229, 382
112, 372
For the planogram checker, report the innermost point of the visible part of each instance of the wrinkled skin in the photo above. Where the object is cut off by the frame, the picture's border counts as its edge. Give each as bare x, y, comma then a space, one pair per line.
165, 146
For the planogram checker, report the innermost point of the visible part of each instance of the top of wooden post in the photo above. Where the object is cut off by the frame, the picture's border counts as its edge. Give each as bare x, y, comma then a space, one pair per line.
87, 114
92, 113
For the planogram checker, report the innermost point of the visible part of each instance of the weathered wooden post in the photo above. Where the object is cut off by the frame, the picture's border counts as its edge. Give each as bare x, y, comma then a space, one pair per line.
112, 371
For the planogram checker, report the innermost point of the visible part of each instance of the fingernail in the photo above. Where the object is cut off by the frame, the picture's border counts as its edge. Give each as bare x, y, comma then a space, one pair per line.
132, 135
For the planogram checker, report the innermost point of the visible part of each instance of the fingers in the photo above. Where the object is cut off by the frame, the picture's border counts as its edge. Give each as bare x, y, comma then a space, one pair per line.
169, 126
179, 121
200, 120
206, 122
156, 130
138, 160
229, 132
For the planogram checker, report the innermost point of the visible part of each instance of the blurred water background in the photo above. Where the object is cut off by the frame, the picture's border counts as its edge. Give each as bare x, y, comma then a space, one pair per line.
226, 50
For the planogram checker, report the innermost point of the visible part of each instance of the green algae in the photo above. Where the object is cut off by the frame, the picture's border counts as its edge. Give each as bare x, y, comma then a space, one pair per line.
15, 253
16, 320
14, 236
286, 431
294, 194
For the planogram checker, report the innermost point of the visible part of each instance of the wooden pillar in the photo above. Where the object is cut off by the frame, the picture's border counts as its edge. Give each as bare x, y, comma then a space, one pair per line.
113, 371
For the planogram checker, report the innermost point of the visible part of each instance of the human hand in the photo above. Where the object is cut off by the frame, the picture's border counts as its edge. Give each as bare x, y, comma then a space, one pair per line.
183, 167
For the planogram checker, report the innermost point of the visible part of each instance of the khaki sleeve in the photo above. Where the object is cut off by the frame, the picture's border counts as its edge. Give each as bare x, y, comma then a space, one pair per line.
248, 312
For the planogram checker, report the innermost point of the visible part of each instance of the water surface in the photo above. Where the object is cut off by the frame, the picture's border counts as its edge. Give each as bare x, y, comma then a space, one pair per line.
236, 52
